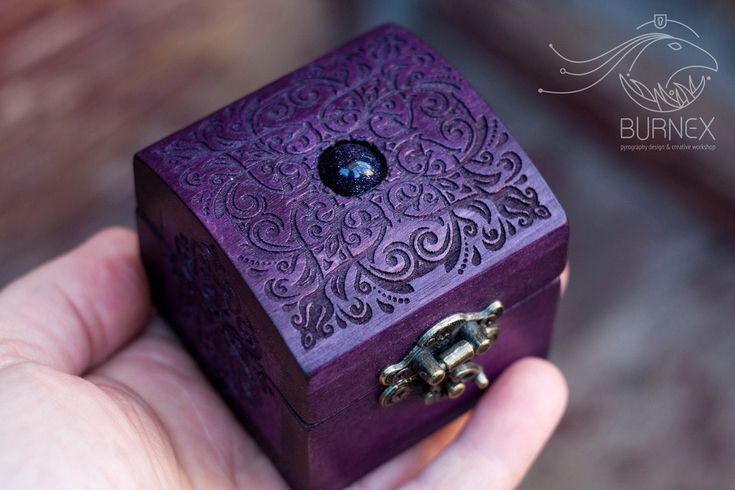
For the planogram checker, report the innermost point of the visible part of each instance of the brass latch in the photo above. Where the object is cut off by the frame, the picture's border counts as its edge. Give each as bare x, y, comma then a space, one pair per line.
439, 365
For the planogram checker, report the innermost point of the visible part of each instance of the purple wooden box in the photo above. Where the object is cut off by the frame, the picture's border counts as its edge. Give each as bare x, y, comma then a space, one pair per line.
293, 298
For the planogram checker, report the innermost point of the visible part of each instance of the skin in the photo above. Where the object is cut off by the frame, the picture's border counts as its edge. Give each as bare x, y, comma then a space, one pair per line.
93, 397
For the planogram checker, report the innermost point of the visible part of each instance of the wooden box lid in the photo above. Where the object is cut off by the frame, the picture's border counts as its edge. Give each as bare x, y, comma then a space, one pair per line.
341, 286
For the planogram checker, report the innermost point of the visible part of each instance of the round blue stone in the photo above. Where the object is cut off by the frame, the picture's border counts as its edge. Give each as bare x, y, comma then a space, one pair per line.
351, 168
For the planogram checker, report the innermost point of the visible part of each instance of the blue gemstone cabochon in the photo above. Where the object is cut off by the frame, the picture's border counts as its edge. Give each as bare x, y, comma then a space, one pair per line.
351, 168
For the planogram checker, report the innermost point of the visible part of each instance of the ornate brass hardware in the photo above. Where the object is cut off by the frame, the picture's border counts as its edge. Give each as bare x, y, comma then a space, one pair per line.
440, 363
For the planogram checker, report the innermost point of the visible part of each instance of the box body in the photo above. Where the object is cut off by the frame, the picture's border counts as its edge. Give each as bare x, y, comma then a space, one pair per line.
293, 298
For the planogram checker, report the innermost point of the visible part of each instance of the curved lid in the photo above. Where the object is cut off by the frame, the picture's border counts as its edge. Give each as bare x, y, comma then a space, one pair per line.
348, 282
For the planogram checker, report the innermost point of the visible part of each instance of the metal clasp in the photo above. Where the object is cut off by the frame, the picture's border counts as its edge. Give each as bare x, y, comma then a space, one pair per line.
440, 364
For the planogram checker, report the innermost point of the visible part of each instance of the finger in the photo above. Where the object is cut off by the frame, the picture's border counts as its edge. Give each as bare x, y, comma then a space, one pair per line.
210, 444
509, 427
74, 311
564, 278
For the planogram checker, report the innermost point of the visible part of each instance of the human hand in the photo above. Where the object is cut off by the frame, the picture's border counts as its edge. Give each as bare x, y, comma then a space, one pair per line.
90, 398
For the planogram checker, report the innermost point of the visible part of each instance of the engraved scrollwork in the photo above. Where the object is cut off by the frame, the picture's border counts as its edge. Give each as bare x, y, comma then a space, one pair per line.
210, 300
456, 189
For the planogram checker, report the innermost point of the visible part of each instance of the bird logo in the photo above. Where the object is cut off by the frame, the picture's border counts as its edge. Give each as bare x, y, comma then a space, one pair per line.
655, 47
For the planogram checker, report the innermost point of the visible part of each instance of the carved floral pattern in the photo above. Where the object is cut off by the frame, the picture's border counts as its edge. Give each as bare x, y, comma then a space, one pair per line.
456, 189
209, 299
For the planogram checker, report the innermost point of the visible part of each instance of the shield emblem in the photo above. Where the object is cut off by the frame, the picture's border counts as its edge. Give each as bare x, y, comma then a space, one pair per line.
659, 20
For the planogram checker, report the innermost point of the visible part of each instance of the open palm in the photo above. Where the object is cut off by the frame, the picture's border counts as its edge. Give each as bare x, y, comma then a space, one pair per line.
91, 398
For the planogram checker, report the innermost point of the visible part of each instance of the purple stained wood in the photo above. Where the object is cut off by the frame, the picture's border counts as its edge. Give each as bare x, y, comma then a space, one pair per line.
293, 298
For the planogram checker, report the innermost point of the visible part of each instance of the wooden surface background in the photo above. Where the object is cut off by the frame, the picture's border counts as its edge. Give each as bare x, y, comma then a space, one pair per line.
644, 334
84, 84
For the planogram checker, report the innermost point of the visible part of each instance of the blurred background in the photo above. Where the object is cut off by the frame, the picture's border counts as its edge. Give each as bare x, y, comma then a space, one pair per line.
646, 332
